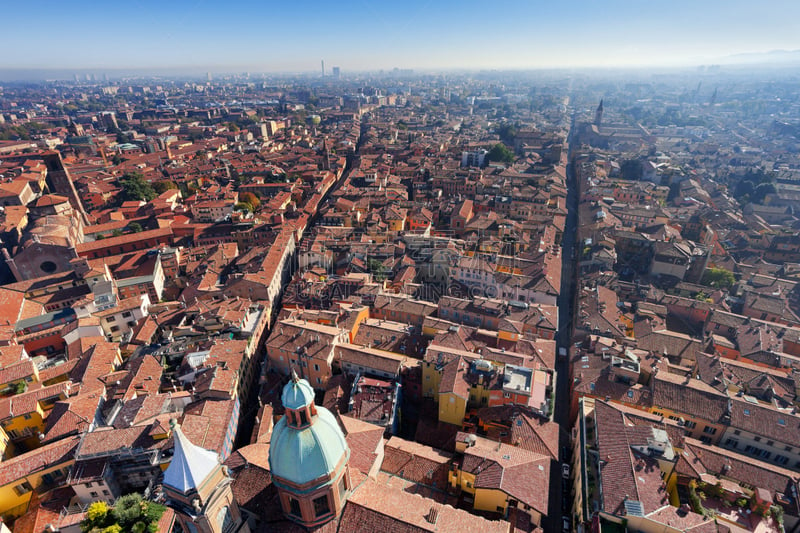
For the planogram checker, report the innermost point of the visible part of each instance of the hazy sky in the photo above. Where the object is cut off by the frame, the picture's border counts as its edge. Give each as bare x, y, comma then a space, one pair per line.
288, 35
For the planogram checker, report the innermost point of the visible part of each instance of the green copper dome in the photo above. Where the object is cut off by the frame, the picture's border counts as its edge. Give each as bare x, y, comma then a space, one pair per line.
297, 393
300, 455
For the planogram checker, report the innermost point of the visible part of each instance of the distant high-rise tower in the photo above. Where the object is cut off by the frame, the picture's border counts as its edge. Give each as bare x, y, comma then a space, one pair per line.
598, 115
208, 76
336, 73
322, 62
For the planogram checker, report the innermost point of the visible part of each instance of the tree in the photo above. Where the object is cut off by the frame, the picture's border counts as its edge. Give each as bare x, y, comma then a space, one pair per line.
507, 132
132, 513
243, 206
500, 154
135, 227
250, 198
135, 188
97, 517
377, 269
163, 186
718, 277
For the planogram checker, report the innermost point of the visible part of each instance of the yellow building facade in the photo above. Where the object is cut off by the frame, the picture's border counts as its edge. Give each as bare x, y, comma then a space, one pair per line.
36, 470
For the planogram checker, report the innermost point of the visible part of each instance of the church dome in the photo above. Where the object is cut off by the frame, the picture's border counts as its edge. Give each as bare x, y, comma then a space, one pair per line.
297, 394
301, 451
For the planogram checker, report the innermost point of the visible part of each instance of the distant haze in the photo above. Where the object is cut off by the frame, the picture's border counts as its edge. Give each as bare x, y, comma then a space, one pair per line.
271, 36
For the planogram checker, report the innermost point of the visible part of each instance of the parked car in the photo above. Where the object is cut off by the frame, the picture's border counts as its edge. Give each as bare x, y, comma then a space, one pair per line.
565, 523
565, 471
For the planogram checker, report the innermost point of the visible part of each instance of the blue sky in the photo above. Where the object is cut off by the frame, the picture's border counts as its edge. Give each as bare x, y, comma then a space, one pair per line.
293, 35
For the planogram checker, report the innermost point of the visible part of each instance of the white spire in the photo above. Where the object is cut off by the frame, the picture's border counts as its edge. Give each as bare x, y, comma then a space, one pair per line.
190, 464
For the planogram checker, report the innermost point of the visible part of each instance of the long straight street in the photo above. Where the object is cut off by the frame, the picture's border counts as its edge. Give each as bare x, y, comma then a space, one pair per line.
558, 485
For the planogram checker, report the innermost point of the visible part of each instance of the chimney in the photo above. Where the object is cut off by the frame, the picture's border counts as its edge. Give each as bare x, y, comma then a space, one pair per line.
432, 516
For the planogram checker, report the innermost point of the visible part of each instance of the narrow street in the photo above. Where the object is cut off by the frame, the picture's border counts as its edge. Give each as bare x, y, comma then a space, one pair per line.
553, 521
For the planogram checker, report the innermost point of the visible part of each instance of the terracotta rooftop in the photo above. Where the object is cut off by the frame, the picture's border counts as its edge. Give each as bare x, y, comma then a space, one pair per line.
374, 507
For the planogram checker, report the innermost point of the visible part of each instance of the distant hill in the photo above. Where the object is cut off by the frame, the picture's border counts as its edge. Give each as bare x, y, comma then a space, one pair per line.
771, 57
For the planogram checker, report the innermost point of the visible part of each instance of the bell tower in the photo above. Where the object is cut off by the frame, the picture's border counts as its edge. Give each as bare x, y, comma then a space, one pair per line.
598, 114
198, 488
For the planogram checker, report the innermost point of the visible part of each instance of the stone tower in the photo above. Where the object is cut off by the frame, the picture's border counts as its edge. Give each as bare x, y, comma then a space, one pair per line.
198, 488
308, 458
598, 115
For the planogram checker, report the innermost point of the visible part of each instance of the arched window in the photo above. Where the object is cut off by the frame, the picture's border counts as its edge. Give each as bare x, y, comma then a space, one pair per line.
224, 519
321, 507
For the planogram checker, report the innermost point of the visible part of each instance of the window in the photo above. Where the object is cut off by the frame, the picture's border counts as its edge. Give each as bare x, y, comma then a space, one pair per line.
705, 440
316, 367
781, 422
710, 430
781, 459
114, 329
93, 494
26, 416
788, 449
23, 488
225, 520
342, 489
111, 318
321, 507
770, 442
630, 394
294, 507
733, 443
690, 424
747, 412
126, 314
737, 432
757, 439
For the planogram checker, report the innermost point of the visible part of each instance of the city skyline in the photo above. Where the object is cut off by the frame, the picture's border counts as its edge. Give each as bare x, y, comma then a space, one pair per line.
370, 36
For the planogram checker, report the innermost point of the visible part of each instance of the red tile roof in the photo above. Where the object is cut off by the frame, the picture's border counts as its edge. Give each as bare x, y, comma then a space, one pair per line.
47, 456
374, 507
522, 474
